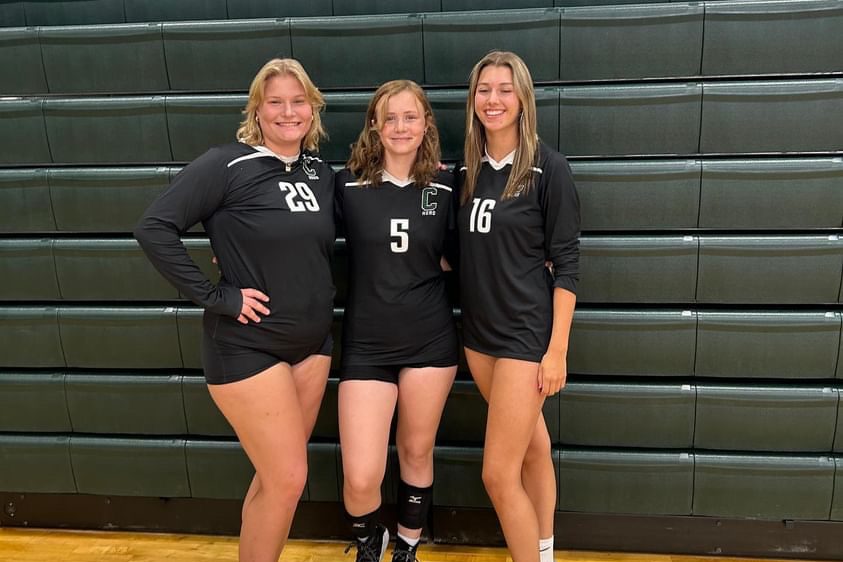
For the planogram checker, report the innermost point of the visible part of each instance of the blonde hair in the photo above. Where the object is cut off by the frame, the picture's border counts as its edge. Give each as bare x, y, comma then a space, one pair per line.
521, 175
367, 153
250, 130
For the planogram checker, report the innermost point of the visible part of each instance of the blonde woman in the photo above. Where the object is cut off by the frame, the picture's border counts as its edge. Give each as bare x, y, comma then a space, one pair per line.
266, 203
399, 342
519, 209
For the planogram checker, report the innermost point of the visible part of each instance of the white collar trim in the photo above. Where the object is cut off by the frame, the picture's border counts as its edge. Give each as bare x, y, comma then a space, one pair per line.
386, 176
269, 152
499, 164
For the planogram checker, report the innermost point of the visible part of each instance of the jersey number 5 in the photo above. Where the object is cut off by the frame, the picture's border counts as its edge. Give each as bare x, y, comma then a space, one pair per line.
481, 215
399, 228
296, 192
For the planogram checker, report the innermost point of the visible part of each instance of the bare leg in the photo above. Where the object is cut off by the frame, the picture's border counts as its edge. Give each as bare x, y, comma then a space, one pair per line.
421, 398
514, 411
266, 415
365, 414
538, 472
310, 377
539, 477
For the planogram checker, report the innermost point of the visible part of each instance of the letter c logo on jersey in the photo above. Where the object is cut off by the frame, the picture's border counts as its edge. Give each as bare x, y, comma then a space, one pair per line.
428, 207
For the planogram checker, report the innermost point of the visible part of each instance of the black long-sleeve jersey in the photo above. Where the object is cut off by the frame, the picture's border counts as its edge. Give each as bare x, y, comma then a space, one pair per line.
397, 310
506, 289
271, 227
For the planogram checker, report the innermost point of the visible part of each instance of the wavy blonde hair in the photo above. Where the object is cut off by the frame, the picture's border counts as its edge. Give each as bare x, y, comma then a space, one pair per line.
367, 153
250, 130
475, 135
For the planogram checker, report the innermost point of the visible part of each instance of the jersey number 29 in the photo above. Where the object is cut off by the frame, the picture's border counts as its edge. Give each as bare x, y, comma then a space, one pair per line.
481, 215
299, 197
399, 228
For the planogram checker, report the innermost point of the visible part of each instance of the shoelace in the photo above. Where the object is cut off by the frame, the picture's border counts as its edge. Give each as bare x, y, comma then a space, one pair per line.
366, 551
404, 556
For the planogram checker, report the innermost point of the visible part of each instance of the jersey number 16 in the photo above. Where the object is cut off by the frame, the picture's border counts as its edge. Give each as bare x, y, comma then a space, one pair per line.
481, 215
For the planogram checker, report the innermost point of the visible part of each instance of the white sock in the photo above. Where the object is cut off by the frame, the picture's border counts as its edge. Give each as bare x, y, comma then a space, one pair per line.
546, 549
409, 541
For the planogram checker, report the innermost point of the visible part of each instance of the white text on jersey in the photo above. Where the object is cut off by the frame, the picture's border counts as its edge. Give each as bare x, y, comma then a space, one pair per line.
299, 190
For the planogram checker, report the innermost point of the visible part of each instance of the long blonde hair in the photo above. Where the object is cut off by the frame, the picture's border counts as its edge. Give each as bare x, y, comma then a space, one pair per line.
250, 130
521, 175
367, 153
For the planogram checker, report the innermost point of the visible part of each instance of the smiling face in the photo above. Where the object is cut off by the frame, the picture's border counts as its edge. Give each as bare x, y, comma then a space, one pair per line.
285, 115
401, 124
496, 102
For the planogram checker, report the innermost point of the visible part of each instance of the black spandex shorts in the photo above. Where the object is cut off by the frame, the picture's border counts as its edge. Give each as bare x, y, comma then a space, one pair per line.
384, 373
224, 362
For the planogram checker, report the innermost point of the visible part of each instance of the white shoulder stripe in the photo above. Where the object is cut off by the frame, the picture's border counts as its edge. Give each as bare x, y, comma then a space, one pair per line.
356, 183
440, 186
464, 169
247, 157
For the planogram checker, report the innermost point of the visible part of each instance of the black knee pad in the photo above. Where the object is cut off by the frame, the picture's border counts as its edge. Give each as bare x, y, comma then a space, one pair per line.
413, 505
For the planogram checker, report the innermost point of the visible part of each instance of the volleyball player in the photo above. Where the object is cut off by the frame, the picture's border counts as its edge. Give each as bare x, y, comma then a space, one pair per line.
266, 203
519, 209
399, 342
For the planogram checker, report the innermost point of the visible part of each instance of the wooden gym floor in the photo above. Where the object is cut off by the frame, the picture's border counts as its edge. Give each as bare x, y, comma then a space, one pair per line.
30, 545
